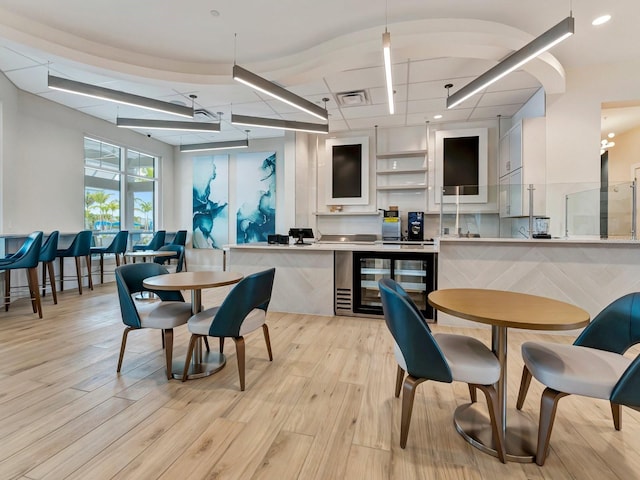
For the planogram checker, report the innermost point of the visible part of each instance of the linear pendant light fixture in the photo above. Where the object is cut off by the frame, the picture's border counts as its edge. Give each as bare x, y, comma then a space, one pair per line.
201, 147
278, 124
263, 85
541, 44
117, 96
386, 52
167, 125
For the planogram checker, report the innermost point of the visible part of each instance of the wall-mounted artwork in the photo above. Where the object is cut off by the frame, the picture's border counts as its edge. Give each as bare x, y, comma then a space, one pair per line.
210, 201
256, 196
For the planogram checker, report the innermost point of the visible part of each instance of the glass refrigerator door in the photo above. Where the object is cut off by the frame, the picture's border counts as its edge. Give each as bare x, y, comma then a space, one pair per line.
412, 276
372, 270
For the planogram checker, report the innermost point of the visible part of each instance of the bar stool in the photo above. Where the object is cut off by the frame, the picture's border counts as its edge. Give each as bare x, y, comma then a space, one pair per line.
47, 256
156, 242
180, 238
26, 257
117, 246
80, 247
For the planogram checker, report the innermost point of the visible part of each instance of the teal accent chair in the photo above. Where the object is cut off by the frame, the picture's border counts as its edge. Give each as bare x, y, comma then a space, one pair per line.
25, 258
179, 256
593, 366
170, 312
48, 254
438, 357
117, 246
156, 242
180, 238
243, 310
80, 247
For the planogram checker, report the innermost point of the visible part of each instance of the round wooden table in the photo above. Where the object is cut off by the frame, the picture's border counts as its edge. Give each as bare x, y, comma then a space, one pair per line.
503, 310
204, 363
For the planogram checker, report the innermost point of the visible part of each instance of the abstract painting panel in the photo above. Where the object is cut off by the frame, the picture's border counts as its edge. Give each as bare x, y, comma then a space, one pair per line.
210, 201
256, 196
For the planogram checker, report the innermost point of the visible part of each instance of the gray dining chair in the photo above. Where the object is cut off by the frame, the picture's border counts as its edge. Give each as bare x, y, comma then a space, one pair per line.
593, 366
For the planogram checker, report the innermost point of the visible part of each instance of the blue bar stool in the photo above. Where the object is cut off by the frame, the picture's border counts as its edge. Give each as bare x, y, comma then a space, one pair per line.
156, 242
26, 257
80, 247
117, 246
47, 256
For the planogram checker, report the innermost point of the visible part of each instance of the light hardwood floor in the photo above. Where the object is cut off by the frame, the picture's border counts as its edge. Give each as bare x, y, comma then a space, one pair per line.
323, 409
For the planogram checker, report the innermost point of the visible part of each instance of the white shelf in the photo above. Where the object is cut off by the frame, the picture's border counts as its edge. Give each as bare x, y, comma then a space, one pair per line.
407, 154
417, 186
375, 271
401, 170
345, 214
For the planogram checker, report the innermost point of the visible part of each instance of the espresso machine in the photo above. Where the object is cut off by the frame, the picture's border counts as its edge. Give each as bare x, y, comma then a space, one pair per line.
391, 226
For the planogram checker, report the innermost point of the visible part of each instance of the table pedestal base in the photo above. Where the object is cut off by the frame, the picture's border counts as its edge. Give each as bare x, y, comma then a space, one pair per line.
211, 363
472, 422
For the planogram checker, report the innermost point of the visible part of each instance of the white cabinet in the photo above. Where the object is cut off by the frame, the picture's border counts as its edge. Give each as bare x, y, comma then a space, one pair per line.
522, 153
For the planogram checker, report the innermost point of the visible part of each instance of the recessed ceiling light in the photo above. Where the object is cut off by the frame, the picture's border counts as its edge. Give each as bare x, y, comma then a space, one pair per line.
437, 117
601, 19
214, 13
611, 135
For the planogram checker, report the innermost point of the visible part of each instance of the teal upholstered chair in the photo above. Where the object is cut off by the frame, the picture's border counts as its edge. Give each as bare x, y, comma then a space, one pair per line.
170, 312
25, 258
594, 366
180, 238
439, 357
179, 256
80, 247
48, 254
117, 246
156, 242
242, 311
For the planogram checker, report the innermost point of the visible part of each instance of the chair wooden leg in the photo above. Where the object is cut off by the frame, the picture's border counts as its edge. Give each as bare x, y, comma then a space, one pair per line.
524, 387
44, 279
187, 361
221, 344
102, 268
548, 406
163, 343
267, 340
616, 411
117, 259
491, 394
122, 345
34, 290
399, 379
52, 282
206, 343
408, 394
61, 274
87, 261
7, 289
168, 351
78, 274
473, 394
240, 357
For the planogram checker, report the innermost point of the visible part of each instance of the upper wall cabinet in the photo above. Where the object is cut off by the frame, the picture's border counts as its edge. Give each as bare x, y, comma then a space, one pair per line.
522, 152
401, 168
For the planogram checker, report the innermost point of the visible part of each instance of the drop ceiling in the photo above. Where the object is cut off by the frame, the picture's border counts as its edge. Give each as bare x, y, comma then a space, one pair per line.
171, 50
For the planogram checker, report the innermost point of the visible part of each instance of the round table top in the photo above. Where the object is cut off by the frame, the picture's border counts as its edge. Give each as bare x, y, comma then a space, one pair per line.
509, 309
192, 280
150, 253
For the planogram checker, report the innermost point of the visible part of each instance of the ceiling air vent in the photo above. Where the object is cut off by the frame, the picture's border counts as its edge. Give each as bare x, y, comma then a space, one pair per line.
354, 98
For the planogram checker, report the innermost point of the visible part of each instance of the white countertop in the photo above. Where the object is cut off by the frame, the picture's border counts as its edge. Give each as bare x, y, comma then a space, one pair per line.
330, 247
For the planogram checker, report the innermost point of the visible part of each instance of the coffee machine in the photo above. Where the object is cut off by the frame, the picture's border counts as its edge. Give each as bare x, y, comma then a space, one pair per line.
391, 226
415, 232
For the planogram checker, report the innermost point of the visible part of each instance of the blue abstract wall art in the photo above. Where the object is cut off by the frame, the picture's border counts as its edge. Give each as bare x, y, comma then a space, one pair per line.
256, 196
210, 201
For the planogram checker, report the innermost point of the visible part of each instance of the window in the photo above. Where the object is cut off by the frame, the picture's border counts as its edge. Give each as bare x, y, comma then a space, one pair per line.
119, 188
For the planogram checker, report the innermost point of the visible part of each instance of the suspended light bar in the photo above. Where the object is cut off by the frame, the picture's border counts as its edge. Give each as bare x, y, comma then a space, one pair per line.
167, 125
263, 85
201, 147
386, 52
544, 42
79, 88
279, 124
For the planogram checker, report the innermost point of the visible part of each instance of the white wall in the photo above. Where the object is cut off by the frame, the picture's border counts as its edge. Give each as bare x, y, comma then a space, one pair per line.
43, 166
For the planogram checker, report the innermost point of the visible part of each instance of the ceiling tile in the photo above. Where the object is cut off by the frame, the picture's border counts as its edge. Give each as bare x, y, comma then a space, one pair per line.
492, 112
507, 97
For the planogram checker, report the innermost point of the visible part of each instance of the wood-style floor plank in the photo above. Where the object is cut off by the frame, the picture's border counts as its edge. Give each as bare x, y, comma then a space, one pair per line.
322, 409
